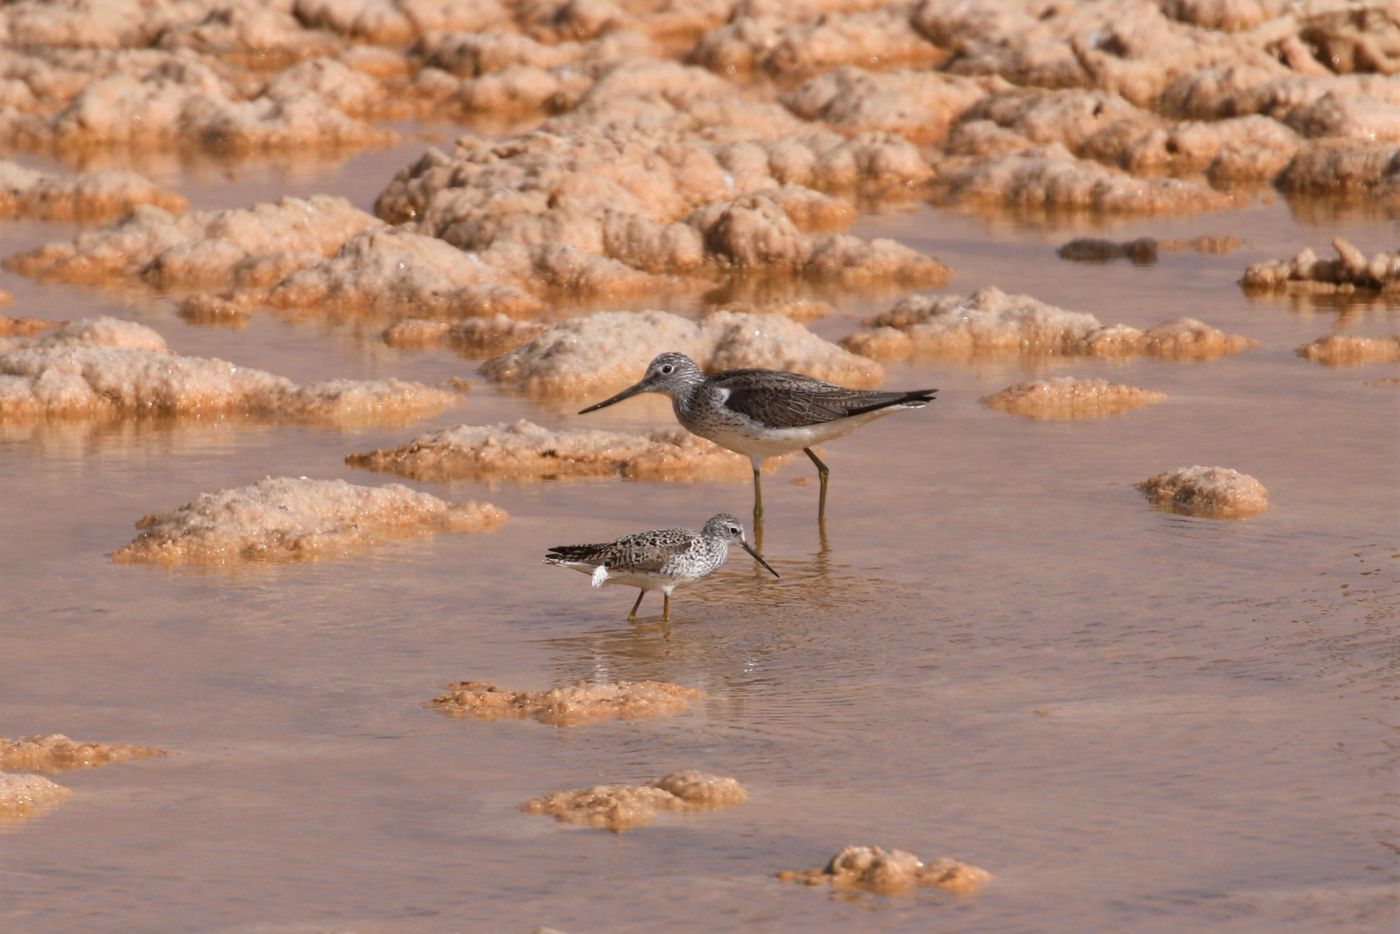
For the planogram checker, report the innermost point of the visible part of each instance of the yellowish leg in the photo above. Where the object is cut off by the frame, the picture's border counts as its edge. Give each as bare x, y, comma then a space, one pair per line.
822, 473
665, 607
757, 497
632, 617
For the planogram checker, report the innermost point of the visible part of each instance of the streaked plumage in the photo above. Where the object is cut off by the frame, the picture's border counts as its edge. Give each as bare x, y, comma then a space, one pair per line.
764, 413
661, 559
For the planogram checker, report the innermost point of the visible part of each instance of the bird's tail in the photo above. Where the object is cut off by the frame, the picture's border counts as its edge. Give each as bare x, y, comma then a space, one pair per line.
914, 399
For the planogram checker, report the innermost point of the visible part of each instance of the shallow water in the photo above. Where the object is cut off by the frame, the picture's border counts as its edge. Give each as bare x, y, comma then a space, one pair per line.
1134, 720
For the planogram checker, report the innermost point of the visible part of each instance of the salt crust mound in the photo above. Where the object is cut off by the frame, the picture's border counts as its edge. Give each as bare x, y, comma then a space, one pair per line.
477, 336
798, 309
105, 367
1212, 492
396, 22
1143, 250
919, 105
768, 43
890, 871
619, 807
91, 196
254, 247
1065, 397
526, 452
57, 753
566, 706
1350, 271
297, 519
182, 100
584, 355
1050, 179
666, 202
990, 322
1345, 350
25, 327
22, 795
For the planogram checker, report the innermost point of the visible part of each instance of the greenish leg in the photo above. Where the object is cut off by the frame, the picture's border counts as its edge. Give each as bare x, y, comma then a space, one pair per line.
822, 473
757, 498
665, 607
632, 617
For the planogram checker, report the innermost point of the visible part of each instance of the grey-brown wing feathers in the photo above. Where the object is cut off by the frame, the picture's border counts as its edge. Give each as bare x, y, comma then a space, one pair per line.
791, 400
644, 551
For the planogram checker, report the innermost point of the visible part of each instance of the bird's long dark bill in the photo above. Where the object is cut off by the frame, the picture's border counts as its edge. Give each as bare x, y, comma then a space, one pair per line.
627, 393
759, 558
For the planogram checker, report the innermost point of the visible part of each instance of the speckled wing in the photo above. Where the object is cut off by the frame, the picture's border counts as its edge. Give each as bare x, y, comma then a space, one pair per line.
791, 400
643, 551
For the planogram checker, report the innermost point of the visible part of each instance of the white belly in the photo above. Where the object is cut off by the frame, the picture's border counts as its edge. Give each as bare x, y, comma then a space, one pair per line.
771, 442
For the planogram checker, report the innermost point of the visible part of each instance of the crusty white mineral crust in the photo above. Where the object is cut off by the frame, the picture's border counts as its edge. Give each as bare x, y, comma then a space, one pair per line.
1351, 271
104, 367
472, 336
566, 706
524, 452
1332, 166
202, 249
610, 349
399, 22
58, 753
1213, 492
25, 327
1346, 350
1049, 179
890, 871
663, 202
990, 322
90, 196
881, 36
619, 807
1066, 397
23, 795
297, 519
919, 105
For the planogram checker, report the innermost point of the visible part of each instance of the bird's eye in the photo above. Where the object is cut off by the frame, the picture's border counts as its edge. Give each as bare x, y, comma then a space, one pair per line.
667, 369
735, 530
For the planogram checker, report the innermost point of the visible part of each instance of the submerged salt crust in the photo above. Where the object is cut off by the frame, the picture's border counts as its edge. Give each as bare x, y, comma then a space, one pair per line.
22, 796
89, 196
991, 322
525, 452
875, 869
570, 705
584, 355
1349, 350
620, 807
105, 368
1067, 397
1213, 492
297, 519
56, 753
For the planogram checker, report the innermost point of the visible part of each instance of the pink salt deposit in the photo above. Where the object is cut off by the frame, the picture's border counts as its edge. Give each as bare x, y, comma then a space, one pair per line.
202, 249
572, 705
473, 336
104, 367
1351, 271
24, 327
90, 196
297, 519
1066, 397
57, 753
874, 869
1348, 350
620, 807
526, 452
610, 349
22, 796
990, 322
1212, 492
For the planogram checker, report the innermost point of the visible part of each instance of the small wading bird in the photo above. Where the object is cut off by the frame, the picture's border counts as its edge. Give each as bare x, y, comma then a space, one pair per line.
764, 413
658, 560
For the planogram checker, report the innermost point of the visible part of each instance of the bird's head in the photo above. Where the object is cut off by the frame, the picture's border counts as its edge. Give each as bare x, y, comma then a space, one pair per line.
729, 529
670, 373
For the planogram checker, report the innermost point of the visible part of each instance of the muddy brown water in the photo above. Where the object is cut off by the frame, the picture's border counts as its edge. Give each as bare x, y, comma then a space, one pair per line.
1134, 720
